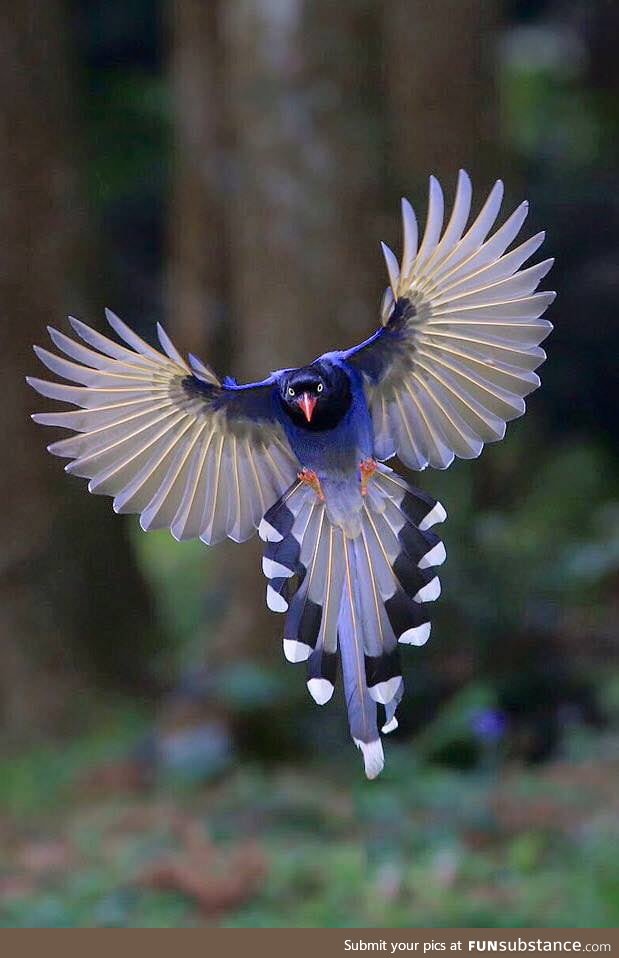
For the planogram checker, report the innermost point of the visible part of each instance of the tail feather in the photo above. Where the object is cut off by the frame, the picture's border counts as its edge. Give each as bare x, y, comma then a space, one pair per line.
302, 627
382, 661
414, 542
391, 534
321, 672
304, 618
391, 722
281, 559
322, 662
358, 595
362, 712
409, 620
278, 521
277, 595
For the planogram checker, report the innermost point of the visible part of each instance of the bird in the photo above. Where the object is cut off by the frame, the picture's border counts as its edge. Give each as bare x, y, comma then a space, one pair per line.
350, 549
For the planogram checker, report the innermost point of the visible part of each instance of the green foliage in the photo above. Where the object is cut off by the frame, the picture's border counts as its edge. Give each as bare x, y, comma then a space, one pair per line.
543, 531
549, 113
420, 846
130, 112
178, 573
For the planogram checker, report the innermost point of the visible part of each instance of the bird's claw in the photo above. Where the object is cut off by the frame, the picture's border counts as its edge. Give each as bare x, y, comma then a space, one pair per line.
310, 478
368, 467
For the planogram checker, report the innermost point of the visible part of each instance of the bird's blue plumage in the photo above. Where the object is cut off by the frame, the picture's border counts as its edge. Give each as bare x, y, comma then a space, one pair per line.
339, 449
349, 554
333, 453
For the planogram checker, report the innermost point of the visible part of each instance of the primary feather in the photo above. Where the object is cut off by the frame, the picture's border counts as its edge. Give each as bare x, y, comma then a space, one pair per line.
460, 342
175, 446
350, 555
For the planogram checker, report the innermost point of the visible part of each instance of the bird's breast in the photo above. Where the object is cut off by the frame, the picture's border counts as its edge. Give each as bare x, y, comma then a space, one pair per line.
336, 464
344, 502
334, 452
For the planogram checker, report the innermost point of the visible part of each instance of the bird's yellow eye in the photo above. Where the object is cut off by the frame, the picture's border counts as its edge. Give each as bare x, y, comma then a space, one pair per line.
319, 388
290, 391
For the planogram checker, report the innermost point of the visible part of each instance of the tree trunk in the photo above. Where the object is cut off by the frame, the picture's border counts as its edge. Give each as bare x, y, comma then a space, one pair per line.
71, 601
443, 94
441, 62
276, 210
197, 272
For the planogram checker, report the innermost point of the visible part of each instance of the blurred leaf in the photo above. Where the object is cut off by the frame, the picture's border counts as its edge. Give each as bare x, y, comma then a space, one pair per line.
245, 686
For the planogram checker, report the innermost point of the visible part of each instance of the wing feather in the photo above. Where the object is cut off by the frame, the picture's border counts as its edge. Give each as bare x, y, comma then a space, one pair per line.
459, 344
161, 509
166, 439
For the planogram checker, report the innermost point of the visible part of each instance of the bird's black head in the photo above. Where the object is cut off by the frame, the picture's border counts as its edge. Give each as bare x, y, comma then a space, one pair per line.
316, 397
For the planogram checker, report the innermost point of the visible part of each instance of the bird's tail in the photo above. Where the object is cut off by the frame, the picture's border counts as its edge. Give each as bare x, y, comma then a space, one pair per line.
362, 595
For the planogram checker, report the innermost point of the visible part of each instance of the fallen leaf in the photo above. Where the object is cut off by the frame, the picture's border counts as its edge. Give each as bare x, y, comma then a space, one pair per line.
122, 776
216, 879
13, 887
44, 857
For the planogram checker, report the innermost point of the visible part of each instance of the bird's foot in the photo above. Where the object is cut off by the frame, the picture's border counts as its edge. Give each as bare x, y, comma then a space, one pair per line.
368, 467
310, 478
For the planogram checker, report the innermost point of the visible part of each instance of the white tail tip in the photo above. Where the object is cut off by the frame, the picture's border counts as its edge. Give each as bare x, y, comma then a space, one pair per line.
436, 556
429, 592
419, 635
296, 651
435, 515
321, 690
390, 726
275, 601
383, 692
373, 756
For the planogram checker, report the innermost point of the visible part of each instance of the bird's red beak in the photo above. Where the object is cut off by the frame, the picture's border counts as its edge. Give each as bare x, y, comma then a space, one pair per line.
307, 402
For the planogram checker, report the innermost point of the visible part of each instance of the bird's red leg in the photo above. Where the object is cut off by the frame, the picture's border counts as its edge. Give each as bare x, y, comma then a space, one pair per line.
368, 467
309, 477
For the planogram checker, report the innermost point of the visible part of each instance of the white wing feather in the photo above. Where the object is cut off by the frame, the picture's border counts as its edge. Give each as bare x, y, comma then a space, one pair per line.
473, 338
158, 448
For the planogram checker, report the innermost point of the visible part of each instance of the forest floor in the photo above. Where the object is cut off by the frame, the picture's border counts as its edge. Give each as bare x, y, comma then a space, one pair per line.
88, 839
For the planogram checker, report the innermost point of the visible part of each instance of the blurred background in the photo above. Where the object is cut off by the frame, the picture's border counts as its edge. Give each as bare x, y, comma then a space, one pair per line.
228, 167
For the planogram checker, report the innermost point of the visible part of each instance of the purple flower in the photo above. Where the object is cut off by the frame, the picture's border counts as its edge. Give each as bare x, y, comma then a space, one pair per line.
488, 725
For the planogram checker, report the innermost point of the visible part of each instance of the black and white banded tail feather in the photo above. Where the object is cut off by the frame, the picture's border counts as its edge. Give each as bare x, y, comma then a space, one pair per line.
361, 596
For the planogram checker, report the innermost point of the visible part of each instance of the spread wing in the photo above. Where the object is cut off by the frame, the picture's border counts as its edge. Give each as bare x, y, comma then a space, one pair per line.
165, 439
459, 344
